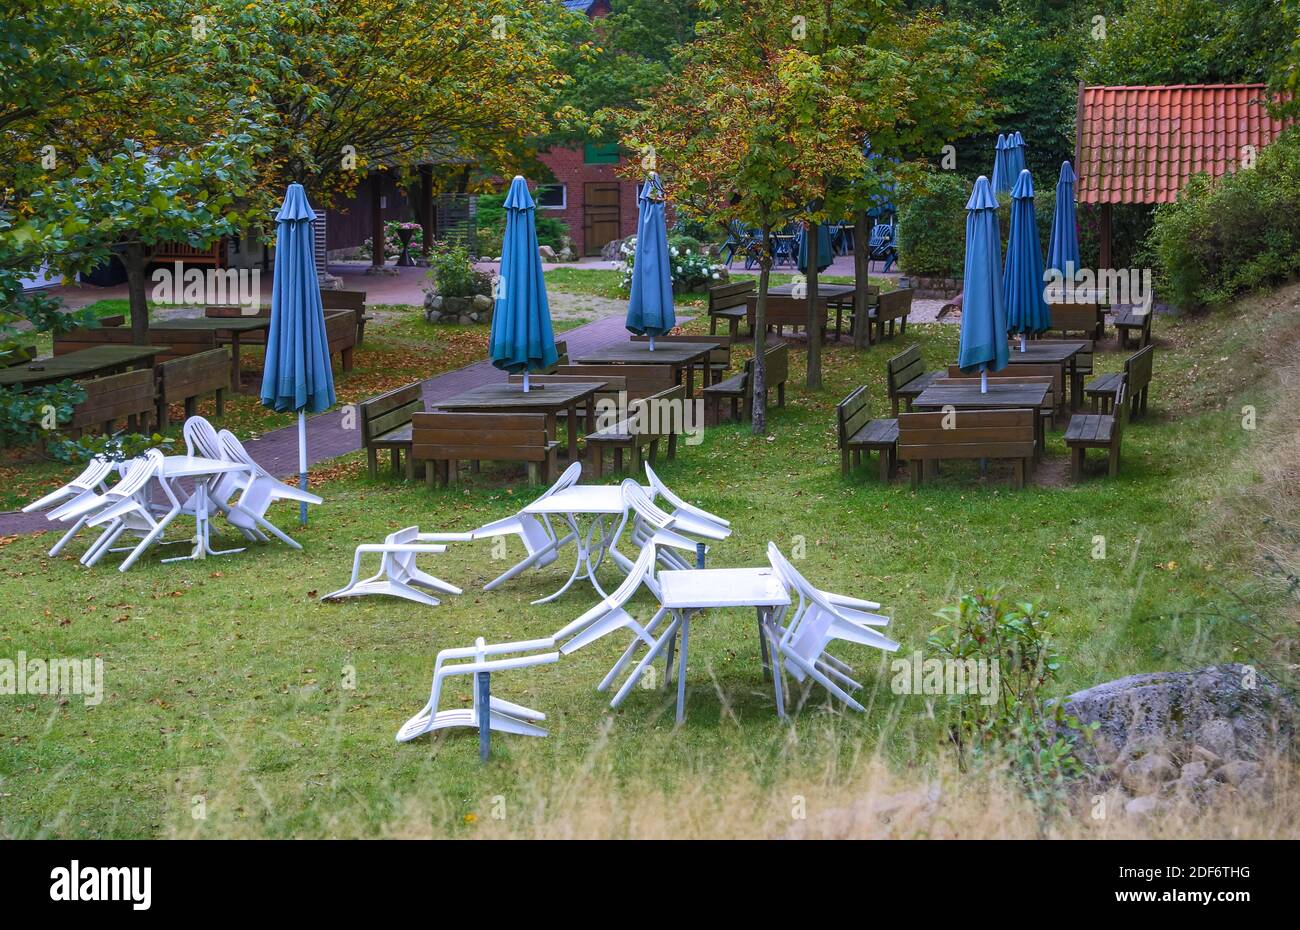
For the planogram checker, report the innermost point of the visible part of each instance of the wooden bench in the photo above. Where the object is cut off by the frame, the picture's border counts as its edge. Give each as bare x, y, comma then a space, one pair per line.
386, 424
891, 307
341, 334
179, 342
968, 434
1126, 321
906, 377
639, 380
719, 358
786, 310
561, 357
1096, 431
859, 434
1078, 318
442, 439
776, 371
129, 396
729, 302
647, 425
1137, 379
348, 300
184, 380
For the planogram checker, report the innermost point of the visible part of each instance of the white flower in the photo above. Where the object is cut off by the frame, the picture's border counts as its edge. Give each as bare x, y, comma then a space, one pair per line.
715, 276
674, 251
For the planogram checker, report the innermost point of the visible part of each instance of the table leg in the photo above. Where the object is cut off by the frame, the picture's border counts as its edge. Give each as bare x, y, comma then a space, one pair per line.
778, 686
762, 643
645, 662
690, 381
235, 383
681, 668
572, 421
202, 538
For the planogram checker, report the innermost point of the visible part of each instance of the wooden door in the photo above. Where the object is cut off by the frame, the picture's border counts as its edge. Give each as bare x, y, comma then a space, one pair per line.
600, 215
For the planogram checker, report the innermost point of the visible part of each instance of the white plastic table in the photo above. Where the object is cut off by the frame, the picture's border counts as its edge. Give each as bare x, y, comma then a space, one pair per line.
685, 593
204, 472
601, 502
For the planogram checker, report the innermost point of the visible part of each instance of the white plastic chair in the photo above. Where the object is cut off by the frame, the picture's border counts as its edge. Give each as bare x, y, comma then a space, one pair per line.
541, 542
127, 509
202, 440
259, 491
89, 485
800, 645
503, 715
685, 513
654, 527
398, 575
611, 615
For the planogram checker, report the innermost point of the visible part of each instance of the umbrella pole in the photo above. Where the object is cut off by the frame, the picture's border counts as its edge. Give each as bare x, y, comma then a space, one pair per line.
984, 381
652, 343
525, 382
1023, 340
302, 464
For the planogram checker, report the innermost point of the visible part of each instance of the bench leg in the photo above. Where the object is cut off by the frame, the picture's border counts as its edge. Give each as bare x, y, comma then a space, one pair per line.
347, 360
410, 466
914, 467
1114, 460
533, 472
1018, 478
162, 415
1076, 463
618, 458
713, 325
894, 403
844, 463
396, 458
595, 459
886, 465
372, 461
221, 402
672, 445
780, 394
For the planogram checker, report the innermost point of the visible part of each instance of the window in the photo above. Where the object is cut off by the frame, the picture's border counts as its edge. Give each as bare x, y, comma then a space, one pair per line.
551, 196
600, 153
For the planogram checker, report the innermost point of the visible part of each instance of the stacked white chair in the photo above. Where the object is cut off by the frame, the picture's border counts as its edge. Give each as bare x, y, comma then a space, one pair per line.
398, 575
541, 542
258, 493
90, 484
667, 534
818, 619
685, 514
475, 660
126, 507
201, 440
611, 615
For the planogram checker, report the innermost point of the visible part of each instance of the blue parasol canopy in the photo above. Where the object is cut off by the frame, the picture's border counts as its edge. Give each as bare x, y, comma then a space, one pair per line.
983, 319
522, 339
650, 307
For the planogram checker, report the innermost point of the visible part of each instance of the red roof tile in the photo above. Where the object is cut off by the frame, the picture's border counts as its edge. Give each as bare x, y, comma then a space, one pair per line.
1142, 144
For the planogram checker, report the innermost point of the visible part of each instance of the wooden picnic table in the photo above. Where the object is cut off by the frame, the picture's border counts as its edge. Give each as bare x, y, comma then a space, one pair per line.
228, 330
1053, 353
785, 309
550, 399
84, 363
681, 355
966, 395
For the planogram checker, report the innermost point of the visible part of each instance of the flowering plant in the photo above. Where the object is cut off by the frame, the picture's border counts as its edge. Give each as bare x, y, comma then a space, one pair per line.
691, 268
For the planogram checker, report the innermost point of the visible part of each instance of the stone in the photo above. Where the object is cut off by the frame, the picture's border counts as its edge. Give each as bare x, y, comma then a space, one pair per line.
612, 251
1170, 708
456, 305
433, 302
481, 303
1216, 735
464, 320
546, 253
1147, 773
1142, 806
1237, 771
1193, 772
1204, 755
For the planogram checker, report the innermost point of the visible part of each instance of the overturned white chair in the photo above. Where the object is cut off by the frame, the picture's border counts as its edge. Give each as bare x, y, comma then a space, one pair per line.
126, 507
258, 493
89, 485
819, 618
398, 575
686, 514
541, 542
611, 615
647, 525
481, 661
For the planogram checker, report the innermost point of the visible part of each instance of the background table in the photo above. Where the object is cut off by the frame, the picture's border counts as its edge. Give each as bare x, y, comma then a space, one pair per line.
681, 355
84, 363
598, 501
229, 330
549, 399
966, 396
1053, 353
688, 592
203, 471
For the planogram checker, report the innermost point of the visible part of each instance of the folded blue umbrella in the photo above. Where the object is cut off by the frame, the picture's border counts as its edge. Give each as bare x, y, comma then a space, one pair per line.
1015, 158
983, 319
1001, 180
1022, 280
296, 374
650, 306
824, 253
1063, 251
522, 339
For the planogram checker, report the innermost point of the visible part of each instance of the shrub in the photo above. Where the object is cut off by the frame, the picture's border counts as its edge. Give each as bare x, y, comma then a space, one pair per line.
452, 273
1224, 237
490, 225
692, 268
119, 447
932, 225
1017, 724
33, 413
392, 243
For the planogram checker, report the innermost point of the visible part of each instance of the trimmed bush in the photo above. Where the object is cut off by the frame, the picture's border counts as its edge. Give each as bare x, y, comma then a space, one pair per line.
1231, 235
932, 225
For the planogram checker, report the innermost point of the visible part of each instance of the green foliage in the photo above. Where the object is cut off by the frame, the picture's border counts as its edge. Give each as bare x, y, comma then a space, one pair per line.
451, 270
118, 447
490, 226
692, 268
1231, 235
932, 225
1015, 723
34, 413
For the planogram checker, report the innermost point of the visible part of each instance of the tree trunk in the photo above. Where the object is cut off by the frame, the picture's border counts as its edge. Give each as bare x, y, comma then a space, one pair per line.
812, 242
134, 259
861, 278
758, 404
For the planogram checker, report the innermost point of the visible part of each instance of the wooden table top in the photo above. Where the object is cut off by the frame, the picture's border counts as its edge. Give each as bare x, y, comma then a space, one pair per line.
967, 396
78, 364
638, 353
505, 396
216, 323
1044, 353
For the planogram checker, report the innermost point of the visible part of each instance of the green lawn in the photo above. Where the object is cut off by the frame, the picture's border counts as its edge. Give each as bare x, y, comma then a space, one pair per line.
225, 679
